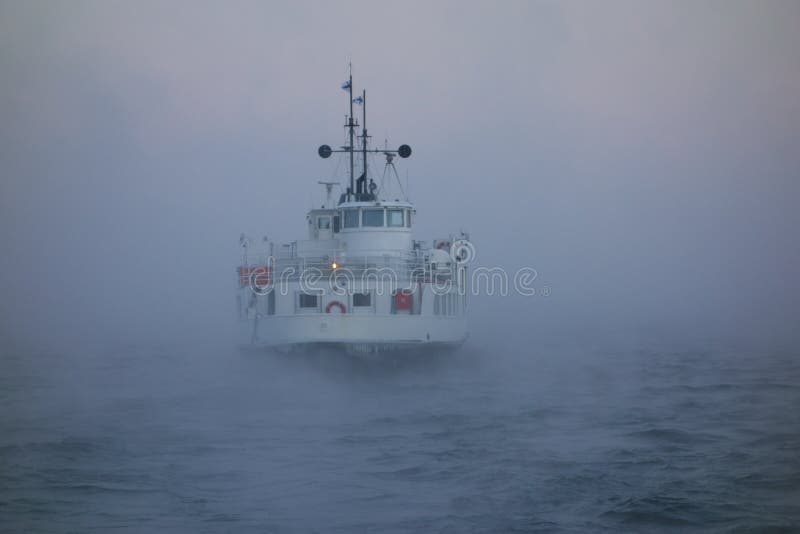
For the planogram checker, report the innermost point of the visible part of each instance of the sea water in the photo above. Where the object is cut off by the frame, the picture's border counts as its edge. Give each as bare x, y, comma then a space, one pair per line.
181, 439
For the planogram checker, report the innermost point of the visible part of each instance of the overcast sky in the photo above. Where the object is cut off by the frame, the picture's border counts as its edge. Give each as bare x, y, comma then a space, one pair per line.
642, 156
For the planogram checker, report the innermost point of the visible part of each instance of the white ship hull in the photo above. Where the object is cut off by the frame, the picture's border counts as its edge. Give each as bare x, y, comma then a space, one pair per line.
355, 333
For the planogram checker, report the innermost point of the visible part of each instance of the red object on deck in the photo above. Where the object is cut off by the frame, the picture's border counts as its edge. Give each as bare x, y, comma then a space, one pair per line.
260, 276
402, 300
336, 303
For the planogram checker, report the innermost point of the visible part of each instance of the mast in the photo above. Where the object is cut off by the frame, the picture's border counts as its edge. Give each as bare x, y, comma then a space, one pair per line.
325, 151
350, 126
364, 135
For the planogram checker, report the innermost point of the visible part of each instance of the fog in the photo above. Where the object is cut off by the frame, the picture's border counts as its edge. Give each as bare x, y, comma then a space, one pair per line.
642, 158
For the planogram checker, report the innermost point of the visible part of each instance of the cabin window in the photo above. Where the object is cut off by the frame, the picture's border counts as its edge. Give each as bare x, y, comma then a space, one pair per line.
270, 304
335, 224
362, 300
351, 218
324, 223
372, 217
308, 301
394, 217
408, 218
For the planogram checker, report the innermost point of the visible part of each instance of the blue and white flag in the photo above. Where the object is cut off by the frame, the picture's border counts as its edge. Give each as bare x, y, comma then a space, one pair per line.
346, 85
358, 100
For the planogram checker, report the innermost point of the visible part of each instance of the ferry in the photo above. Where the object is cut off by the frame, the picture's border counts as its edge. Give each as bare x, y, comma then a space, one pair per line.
360, 281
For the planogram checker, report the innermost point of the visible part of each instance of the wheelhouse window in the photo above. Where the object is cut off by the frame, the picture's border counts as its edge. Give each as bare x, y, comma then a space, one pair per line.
362, 300
351, 218
324, 223
372, 217
308, 301
408, 218
394, 218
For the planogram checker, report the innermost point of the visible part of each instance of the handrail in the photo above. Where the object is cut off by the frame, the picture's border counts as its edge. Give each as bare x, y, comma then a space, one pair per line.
405, 266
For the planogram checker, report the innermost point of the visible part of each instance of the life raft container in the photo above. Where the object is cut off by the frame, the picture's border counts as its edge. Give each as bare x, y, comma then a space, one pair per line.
260, 276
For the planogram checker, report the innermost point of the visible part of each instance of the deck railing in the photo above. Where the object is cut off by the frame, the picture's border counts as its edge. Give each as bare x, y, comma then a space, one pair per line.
399, 266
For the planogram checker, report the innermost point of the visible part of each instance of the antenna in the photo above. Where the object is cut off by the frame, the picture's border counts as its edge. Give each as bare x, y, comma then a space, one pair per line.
390, 165
325, 151
328, 189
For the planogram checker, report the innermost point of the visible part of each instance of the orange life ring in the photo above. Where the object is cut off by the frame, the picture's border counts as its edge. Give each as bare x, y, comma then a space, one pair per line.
333, 303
